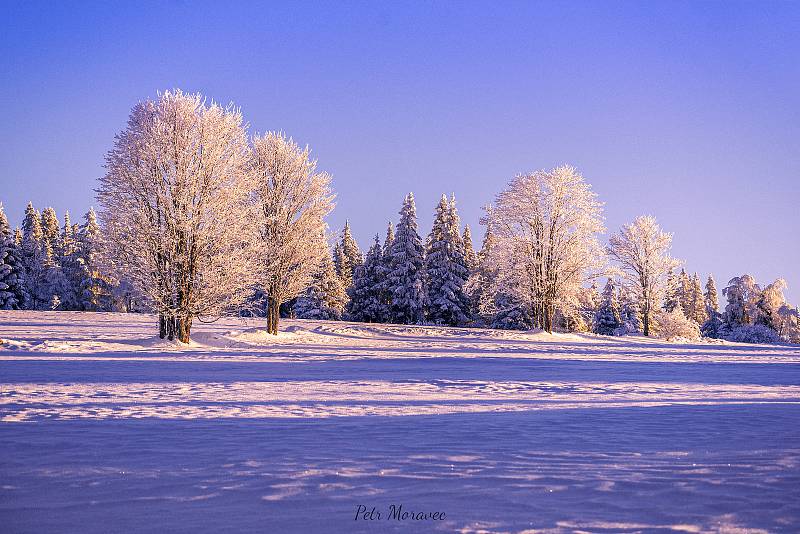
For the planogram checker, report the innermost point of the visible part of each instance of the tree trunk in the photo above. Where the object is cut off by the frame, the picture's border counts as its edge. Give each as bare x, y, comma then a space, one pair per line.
646, 321
183, 327
273, 316
167, 326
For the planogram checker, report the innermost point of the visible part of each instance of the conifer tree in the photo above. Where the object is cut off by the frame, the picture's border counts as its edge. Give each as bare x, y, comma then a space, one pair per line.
95, 291
366, 294
607, 319
33, 255
350, 256
470, 258
406, 276
711, 298
699, 314
478, 286
11, 283
671, 292
338, 262
71, 266
325, 298
685, 293
384, 270
50, 228
445, 268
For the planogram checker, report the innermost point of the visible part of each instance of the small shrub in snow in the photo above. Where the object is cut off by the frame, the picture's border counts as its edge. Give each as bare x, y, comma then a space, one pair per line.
753, 334
674, 324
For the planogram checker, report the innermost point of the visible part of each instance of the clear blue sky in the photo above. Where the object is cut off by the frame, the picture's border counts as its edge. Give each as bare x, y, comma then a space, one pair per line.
688, 111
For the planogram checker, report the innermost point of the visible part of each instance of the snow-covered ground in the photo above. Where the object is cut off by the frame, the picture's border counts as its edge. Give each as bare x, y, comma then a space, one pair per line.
104, 428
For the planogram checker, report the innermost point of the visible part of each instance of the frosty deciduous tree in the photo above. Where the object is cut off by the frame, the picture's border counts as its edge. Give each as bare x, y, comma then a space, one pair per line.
642, 251
174, 203
292, 199
545, 226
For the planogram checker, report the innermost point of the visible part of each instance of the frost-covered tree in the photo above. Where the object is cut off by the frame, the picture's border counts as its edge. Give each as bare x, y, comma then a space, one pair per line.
366, 294
470, 258
769, 303
742, 293
72, 266
325, 298
685, 293
629, 314
174, 209
407, 268
674, 324
710, 297
385, 269
33, 254
672, 292
545, 225
11, 278
351, 256
698, 303
293, 199
95, 289
50, 228
607, 320
642, 251
478, 285
446, 269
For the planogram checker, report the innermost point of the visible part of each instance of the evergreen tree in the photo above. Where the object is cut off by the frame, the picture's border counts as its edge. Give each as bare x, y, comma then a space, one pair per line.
470, 258
482, 305
338, 262
70, 265
711, 299
607, 319
50, 228
685, 292
12, 293
511, 314
33, 255
384, 278
406, 276
698, 313
366, 294
671, 292
445, 268
95, 288
629, 313
325, 298
350, 256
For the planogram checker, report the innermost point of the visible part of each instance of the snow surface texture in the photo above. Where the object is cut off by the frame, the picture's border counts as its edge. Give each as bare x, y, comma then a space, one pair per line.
104, 428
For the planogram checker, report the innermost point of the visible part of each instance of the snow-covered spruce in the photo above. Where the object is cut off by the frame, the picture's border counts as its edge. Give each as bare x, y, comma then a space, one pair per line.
446, 269
325, 298
12, 294
366, 294
407, 269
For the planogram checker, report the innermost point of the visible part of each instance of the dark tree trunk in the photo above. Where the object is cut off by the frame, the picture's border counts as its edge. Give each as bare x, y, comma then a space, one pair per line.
273, 316
183, 327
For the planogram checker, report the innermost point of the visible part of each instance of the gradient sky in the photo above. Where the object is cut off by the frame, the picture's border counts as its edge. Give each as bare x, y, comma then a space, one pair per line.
687, 111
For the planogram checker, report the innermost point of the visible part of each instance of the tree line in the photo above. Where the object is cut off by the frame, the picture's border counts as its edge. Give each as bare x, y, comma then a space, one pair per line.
200, 219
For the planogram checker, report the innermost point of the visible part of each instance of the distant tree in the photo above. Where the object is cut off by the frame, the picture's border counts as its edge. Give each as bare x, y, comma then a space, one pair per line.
698, 304
293, 200
407, 268
446, 269
742, 293
470, 258
607, 320
95, 291
675, 324
366, 294
545, 225
33, 253
711, 299
325, 297
351, 256
642, 251
174, 209
12, 294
